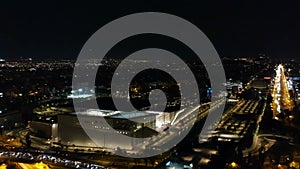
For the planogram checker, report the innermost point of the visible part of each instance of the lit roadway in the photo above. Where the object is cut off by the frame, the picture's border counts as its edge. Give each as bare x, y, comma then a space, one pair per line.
281, 101
281, 96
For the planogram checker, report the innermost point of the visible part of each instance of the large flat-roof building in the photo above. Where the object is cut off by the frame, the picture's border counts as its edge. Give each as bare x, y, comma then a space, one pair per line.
133, 124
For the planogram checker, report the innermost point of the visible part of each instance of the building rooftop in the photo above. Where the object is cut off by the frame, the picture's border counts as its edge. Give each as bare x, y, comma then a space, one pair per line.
114, 114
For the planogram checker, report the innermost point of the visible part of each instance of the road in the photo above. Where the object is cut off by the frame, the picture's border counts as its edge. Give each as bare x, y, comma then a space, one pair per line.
281, 97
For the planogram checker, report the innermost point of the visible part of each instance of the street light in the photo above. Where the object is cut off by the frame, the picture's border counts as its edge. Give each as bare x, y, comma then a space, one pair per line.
233, 165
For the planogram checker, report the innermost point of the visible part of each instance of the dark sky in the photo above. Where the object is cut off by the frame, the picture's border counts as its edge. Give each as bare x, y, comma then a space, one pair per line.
52, 29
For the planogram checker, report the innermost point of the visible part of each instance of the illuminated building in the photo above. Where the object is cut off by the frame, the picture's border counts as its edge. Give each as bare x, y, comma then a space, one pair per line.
43, 129
71, 132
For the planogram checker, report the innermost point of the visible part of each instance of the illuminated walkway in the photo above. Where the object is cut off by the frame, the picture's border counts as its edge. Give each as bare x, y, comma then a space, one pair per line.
281, 97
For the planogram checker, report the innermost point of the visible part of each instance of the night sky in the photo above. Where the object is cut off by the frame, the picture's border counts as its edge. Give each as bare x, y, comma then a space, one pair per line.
52, 29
